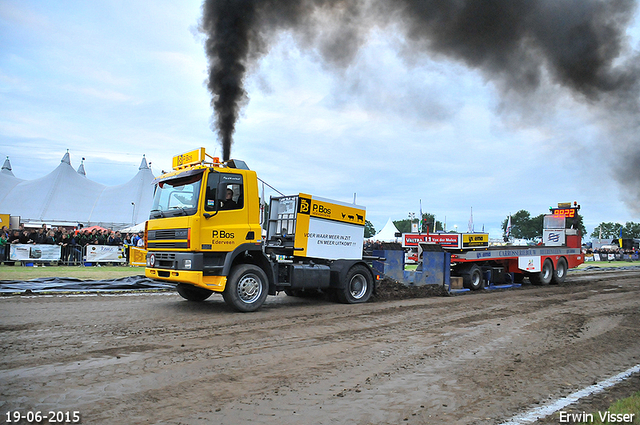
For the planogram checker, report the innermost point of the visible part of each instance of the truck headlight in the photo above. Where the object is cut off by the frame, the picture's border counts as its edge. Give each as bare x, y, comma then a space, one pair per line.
187, 264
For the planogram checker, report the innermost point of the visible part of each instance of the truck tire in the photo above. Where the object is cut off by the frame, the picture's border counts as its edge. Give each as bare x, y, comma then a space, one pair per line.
246, 288
472, 278
561, 272
193, 293
544, 276
358, 286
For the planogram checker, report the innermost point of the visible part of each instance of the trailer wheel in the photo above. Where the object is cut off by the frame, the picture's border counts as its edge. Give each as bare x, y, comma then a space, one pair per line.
543, 277
358, 286
246, 288
193, 293
472, 278
561, 272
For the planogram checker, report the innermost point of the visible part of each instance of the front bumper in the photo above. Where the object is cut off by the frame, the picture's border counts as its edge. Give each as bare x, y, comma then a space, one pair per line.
212, 283
182, 267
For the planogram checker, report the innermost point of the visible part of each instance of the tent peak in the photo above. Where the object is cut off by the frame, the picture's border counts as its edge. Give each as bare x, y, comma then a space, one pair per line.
81, 170
6, 168
66, 158
143, 164
387, 234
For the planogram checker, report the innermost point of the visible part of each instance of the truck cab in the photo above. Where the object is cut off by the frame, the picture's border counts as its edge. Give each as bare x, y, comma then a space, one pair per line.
201, 212
204, 235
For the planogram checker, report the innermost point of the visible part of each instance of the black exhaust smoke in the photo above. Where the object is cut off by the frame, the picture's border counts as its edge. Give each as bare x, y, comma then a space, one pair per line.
227, 24
519, 45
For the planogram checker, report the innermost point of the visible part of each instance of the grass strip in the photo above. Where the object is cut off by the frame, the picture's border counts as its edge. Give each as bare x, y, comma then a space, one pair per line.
626, 406
78, 272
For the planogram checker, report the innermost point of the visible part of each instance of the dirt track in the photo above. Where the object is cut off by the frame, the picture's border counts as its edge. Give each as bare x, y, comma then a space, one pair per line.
470, 359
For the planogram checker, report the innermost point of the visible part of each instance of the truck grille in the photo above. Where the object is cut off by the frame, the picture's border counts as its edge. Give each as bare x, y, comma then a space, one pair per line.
168, 245
168, 234
168, 239
165, 260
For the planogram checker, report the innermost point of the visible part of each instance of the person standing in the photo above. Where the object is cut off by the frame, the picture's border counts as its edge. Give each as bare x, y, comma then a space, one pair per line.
4, 243
7, 237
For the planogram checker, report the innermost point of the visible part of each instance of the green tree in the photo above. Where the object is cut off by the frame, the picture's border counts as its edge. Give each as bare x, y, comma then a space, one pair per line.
535, 227
520, 225
523, 226
427, 220
606, 230
577, 223
612, 230
369, 230
631, 230
404, 226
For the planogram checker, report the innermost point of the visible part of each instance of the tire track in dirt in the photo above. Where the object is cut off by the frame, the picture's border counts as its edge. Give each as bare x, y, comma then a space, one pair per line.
476, 358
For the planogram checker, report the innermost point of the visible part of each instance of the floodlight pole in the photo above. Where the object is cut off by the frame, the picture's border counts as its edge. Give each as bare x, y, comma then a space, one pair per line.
133, 213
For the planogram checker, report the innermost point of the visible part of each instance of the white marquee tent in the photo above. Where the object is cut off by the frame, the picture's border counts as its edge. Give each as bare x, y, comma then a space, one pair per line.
387, 234
65, 195
7, 180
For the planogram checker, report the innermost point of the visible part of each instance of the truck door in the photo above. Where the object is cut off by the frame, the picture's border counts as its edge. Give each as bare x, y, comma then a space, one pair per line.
224, 204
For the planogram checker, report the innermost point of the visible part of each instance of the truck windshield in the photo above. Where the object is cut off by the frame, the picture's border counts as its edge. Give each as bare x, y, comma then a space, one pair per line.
176, 197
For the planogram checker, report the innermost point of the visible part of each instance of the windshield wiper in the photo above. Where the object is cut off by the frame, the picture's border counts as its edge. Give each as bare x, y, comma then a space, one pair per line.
158, 215
180, 208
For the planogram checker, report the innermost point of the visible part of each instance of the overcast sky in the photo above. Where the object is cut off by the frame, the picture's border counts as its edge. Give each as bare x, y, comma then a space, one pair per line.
112, 81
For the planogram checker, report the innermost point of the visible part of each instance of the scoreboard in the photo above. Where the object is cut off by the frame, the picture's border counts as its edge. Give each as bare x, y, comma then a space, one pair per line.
568, 211
565, 212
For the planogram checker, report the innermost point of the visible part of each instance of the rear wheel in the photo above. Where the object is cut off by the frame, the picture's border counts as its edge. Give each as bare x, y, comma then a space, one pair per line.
561, 272
193, 293
472, 278
544, 276
246, 288
358, 286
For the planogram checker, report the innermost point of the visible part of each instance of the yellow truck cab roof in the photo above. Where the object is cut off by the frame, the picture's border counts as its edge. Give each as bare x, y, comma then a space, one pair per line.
195, 161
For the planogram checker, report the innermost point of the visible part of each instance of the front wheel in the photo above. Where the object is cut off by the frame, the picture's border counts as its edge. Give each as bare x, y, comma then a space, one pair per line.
246, 288
358, 286
193, 293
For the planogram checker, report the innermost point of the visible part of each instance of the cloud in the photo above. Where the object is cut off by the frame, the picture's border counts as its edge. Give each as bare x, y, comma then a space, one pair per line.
397, 113
102, 94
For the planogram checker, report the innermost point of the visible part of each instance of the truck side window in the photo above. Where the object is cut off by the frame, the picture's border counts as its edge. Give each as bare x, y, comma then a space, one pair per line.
232, 199
210, 194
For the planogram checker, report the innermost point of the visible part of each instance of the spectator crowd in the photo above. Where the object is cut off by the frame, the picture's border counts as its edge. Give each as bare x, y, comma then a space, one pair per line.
612, 250
612, 253
72, 241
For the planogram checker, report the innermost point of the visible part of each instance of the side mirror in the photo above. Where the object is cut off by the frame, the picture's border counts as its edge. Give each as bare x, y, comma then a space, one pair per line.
221, 194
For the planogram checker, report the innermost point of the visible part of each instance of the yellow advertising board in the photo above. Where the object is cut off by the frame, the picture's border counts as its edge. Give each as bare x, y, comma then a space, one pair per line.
475, 240
4, 220
137, 256
189, 158
328, 229
325, 208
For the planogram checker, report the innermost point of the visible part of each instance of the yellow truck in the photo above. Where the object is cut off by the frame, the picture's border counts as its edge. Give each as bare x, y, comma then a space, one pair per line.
204, 235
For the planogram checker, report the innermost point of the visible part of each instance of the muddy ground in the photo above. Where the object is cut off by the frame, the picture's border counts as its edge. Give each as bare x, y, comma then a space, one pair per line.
406, 357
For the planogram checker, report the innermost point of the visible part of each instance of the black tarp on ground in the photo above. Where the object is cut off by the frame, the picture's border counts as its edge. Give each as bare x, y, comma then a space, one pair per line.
69, 284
